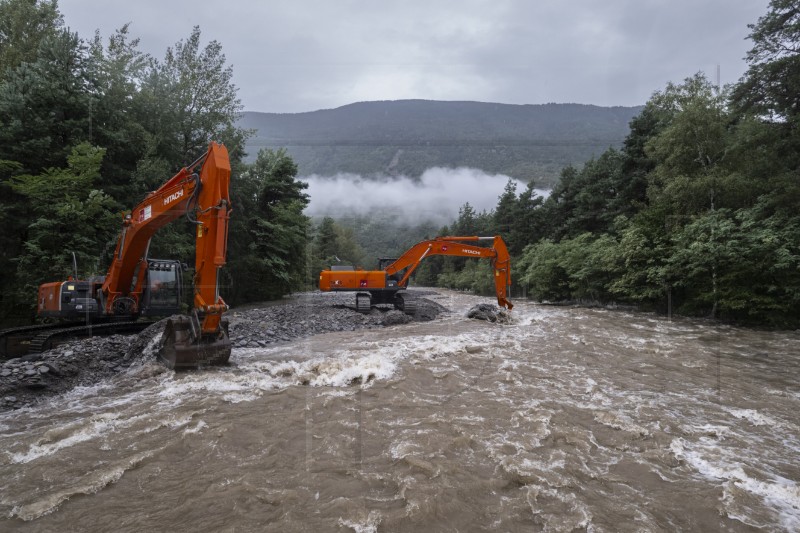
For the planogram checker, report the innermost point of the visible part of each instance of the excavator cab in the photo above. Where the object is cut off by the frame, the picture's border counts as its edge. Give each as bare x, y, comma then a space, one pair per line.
163, 292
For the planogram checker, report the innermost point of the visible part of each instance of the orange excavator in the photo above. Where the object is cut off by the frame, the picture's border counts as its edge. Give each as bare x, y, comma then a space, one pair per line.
137, 285
385, 286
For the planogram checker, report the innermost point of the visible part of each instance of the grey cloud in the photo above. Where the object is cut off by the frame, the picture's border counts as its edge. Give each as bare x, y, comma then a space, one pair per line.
306, 55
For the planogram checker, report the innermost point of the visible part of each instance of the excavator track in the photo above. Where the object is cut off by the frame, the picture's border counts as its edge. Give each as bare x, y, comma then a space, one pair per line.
363, 302
15, 341
37, 339
406, 304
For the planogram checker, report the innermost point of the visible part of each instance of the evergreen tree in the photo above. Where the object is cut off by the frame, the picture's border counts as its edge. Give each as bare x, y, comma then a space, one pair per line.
23, 25
68, 214
506, 212
527, 225
117, 110
44, 106
267, 241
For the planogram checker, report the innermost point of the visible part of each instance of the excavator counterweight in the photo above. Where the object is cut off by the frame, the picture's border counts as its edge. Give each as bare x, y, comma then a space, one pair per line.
385, 286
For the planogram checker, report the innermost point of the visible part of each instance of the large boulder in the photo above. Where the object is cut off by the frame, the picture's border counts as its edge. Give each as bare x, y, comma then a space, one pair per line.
489, 313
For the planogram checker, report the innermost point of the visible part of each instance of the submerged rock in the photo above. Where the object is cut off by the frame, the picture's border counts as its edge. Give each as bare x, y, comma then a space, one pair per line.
489, 313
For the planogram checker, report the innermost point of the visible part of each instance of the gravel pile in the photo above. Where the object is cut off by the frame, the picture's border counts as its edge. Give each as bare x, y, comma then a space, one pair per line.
25, 380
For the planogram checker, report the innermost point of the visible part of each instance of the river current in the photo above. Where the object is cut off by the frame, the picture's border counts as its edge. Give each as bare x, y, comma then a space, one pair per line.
566, 419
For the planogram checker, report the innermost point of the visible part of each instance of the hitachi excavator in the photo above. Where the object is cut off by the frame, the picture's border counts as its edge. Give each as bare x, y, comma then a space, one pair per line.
386, 286
137, 285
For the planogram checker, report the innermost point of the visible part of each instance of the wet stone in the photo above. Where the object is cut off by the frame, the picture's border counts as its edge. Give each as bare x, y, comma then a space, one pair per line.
489, 313
87, 361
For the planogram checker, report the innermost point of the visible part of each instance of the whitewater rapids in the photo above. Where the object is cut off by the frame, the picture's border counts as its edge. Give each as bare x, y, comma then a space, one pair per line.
565, 419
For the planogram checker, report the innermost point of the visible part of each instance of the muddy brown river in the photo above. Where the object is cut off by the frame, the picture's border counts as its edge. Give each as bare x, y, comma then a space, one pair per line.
567, 419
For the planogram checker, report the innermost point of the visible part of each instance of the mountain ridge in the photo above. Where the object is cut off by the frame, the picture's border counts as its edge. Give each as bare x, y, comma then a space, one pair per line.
525, 141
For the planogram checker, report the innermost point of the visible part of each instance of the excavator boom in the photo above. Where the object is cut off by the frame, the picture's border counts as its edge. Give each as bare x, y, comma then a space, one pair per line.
202, 337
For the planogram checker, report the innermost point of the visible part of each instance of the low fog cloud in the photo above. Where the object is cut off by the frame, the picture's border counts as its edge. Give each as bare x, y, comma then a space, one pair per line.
435, 197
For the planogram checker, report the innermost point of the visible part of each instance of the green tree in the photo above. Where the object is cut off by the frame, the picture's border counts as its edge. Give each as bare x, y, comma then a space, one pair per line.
44, 105
691, 149
505, 214
580, 269
528, 225
186, 101
69, 214
334, 244
118, 112
23, 25
476, 276
771, 86
768, 98
268, 238
43, 113
325, 240
191, 100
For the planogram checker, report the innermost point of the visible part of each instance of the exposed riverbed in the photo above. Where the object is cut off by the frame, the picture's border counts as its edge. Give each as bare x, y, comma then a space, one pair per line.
564, 419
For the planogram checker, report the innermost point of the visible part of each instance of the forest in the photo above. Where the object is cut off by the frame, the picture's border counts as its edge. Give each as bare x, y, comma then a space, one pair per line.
89, 125
696, 213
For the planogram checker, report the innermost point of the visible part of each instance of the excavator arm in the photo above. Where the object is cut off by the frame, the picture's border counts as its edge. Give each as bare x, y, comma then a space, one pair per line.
453, 246
200, 191
382, 286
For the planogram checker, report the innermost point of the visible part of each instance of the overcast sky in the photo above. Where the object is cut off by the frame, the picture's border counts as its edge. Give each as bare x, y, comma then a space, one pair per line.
292, 56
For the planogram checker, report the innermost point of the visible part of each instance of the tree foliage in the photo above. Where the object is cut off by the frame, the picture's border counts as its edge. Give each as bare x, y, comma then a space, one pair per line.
23, 25
714, 234
268, 238
334, 244
69, 213
89, 126
696, 214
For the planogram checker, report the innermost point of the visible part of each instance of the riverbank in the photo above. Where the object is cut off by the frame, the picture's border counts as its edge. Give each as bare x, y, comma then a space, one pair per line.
27, 380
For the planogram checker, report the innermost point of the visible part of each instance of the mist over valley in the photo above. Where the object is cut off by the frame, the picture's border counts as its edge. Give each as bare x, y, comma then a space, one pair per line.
435, 197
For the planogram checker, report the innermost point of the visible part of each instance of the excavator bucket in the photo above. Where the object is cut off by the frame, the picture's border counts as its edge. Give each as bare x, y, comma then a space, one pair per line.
183, 345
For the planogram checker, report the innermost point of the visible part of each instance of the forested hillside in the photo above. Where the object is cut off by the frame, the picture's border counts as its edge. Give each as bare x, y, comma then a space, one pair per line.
527, 142
688, 204
89, 126
698, 212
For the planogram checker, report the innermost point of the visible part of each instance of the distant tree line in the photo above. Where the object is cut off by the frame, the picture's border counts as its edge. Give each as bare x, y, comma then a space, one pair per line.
698, 213
89, 126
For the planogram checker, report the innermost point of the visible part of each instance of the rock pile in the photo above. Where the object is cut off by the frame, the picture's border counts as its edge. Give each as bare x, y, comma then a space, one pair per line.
83, 362
24, 380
